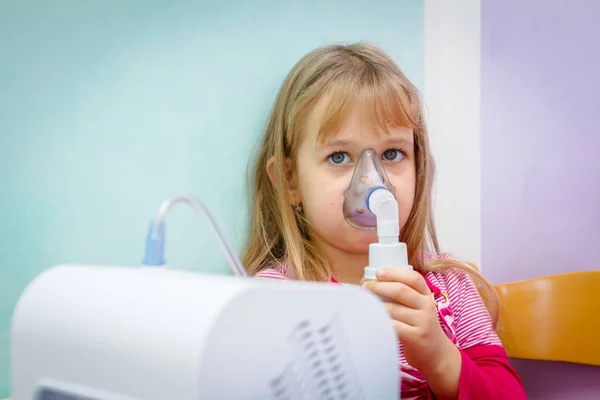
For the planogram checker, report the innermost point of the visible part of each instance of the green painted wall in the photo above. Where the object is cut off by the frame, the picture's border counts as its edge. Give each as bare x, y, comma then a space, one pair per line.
108, 107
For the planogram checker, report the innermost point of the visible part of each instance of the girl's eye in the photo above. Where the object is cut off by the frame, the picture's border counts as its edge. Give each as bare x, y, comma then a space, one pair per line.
393, 155
339, 158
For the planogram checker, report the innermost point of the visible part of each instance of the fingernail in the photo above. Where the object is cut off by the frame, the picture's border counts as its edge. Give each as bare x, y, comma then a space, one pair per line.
380, 273
364, 285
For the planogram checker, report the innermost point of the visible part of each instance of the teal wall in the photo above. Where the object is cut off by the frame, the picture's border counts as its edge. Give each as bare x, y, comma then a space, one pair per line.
108, 107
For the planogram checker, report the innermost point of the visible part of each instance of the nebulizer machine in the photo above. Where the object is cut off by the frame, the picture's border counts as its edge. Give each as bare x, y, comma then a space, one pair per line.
149, 333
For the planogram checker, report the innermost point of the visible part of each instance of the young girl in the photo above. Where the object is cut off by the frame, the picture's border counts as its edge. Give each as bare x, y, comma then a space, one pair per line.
335, 102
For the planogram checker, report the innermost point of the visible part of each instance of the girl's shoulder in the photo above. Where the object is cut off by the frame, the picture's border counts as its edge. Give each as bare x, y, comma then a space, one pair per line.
451, 281
431, 256
279, 271
471, 320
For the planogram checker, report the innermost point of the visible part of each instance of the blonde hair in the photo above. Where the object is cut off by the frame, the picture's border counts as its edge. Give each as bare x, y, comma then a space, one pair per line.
357, 75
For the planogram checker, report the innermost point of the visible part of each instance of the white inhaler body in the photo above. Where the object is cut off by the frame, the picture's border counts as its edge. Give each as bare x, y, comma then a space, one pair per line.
370, 203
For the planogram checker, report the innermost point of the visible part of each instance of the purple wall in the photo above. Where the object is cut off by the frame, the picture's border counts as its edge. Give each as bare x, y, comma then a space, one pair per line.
540, 155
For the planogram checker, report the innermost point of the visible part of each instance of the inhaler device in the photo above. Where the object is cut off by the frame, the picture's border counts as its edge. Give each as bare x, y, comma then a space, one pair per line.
128, 333
370, 203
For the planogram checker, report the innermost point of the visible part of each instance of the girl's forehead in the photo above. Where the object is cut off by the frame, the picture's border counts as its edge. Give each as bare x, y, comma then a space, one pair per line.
335, 117
354, 123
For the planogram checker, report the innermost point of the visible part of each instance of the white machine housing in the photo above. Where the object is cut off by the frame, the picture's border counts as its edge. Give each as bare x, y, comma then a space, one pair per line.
128, 333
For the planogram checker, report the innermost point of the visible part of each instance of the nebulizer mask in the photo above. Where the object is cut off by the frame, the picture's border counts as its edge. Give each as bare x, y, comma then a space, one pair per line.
370, 203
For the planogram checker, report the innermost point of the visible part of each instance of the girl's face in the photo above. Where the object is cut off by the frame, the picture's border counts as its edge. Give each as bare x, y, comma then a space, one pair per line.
323, 171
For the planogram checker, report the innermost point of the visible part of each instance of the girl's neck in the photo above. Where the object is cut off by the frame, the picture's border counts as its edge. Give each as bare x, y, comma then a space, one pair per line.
347, 267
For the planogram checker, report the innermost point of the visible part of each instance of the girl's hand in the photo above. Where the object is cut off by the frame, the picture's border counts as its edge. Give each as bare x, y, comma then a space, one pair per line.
414, 314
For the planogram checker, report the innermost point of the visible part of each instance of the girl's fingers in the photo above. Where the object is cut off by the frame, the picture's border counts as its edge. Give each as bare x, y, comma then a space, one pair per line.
403, 330
397, 291
400, 313
406, 276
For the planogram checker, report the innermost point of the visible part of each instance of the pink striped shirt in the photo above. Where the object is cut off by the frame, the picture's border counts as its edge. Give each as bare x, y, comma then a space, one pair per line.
486, 372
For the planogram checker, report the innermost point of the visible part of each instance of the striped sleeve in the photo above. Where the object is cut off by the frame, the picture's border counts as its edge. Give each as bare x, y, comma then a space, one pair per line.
486, 372
271, 273
472, 321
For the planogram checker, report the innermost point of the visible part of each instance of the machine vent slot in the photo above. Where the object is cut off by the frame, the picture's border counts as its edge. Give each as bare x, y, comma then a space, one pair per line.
320, 365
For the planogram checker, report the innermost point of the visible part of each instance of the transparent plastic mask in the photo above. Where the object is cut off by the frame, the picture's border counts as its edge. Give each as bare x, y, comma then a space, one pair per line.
367, 176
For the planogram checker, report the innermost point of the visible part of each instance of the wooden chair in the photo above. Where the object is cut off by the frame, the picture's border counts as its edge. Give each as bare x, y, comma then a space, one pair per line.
552, 318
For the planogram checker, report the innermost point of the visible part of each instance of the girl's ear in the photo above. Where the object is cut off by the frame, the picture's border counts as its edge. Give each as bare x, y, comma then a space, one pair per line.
290, 178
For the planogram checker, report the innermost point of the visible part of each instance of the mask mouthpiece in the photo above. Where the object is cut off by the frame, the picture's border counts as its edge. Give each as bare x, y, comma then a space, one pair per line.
368, 175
